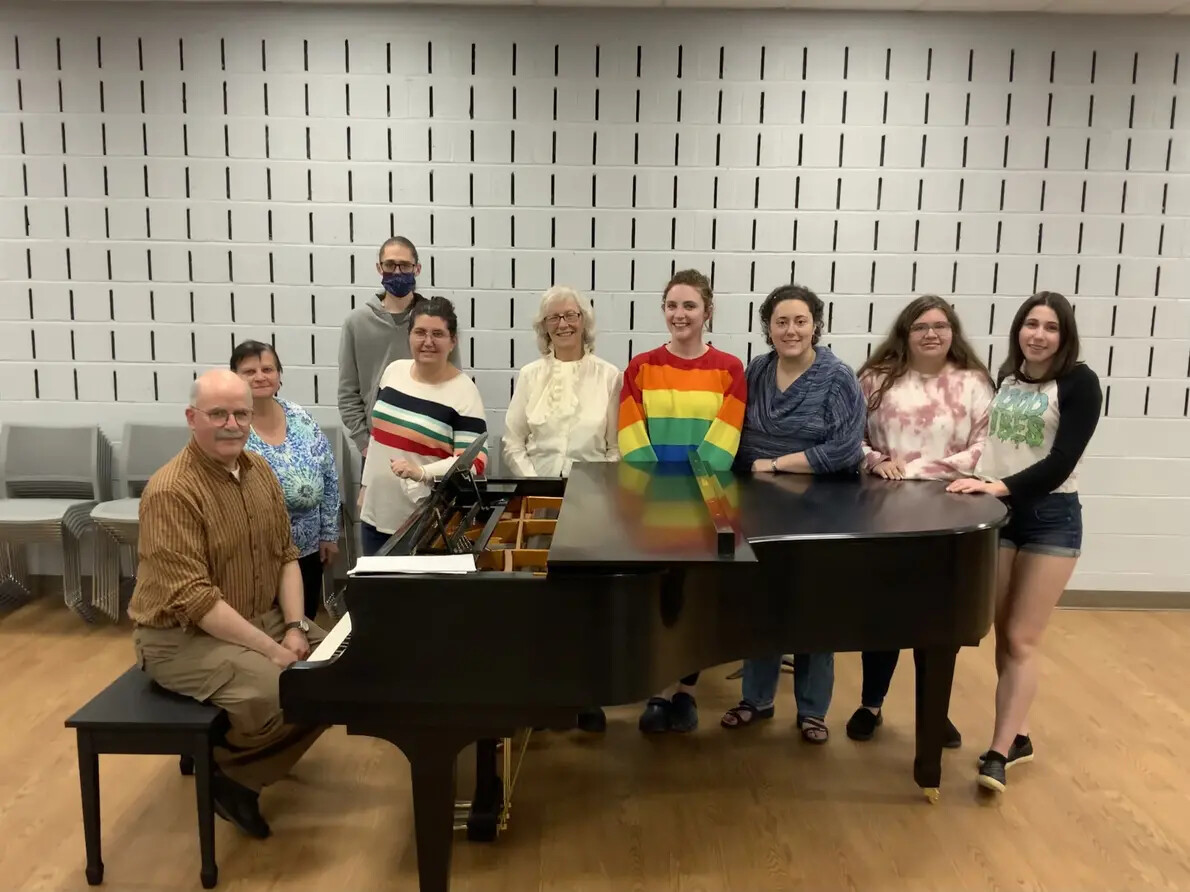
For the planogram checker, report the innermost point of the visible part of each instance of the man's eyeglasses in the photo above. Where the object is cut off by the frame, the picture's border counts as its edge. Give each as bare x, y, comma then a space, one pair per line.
397, 266
243, 417
571, 316
919, 328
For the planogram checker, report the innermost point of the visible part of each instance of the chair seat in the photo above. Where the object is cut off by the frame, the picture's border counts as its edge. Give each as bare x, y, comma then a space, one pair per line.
125, 511
33, 511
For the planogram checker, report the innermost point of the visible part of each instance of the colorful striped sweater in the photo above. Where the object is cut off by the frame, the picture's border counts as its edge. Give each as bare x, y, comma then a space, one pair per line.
424, 424
670, 405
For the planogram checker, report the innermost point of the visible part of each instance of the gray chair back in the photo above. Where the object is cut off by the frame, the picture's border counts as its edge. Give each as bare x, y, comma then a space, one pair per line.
55, 462
145, 449
342, 452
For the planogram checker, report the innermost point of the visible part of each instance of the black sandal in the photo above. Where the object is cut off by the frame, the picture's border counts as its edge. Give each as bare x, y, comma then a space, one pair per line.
745, 714
814, 730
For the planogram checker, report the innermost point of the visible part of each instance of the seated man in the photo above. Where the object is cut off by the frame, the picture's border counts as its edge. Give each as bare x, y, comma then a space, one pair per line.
218, 604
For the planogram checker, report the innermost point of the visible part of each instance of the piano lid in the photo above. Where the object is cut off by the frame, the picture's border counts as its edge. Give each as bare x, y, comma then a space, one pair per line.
777, 507
619, 514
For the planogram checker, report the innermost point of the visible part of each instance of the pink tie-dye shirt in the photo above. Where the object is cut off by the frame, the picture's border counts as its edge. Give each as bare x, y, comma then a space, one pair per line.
935, 424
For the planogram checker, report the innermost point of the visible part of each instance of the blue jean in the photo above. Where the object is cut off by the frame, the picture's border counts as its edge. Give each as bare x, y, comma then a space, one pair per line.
371, 540
813, 682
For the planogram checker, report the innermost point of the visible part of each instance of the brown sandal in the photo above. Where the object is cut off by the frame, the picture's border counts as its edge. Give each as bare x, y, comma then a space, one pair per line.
745, 714
813, 730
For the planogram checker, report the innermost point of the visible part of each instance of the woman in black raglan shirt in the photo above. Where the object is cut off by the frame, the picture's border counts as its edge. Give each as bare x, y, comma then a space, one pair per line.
1045, 411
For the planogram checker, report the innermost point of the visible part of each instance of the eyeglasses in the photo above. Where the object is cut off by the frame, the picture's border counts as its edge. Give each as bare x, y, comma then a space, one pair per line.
436, 334
397, 266
243, 417
920, 328
571, 316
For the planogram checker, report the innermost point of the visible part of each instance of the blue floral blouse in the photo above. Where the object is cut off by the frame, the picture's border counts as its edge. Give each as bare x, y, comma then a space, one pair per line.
305, 465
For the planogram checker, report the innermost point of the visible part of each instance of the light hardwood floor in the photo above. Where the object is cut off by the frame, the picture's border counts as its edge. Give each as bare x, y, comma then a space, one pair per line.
1105, 806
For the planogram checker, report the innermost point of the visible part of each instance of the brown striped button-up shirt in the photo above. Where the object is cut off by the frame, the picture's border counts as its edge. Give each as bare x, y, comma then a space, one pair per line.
204, 535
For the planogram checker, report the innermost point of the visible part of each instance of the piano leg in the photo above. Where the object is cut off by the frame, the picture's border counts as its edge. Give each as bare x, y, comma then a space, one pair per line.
934, 675
433, 757
483, 822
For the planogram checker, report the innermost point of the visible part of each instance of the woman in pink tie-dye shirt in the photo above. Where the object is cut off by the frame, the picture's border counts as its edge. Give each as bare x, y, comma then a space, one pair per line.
928, 398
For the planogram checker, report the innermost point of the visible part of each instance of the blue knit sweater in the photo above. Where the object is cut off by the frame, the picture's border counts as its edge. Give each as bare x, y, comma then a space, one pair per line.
822, 414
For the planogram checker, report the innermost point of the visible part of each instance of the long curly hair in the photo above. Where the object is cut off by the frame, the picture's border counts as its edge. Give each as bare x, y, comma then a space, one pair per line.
891, 357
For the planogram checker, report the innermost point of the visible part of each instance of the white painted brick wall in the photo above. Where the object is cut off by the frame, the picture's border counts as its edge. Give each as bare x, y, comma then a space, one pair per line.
877, 157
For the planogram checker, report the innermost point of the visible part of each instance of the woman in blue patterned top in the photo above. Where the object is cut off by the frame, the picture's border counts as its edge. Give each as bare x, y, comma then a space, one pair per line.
284, 434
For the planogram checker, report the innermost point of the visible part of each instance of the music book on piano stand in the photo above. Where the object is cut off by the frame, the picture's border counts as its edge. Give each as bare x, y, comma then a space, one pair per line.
415, 563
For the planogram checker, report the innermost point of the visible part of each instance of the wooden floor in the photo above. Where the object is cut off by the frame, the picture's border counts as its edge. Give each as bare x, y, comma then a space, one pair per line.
1105, 806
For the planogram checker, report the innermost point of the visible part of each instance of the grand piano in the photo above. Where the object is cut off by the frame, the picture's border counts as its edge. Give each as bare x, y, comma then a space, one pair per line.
606, 587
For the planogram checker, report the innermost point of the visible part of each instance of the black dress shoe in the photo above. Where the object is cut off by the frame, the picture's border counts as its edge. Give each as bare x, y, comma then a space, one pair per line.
239, 805
593, 720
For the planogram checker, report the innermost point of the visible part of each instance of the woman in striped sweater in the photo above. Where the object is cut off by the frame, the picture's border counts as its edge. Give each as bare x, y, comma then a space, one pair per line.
805, 416
681, 396
426, 413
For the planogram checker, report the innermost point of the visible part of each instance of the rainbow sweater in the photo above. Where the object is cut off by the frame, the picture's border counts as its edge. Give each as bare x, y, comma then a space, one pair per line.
670, 405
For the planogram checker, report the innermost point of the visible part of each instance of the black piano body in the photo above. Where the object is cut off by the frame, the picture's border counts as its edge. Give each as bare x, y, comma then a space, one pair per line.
635, 590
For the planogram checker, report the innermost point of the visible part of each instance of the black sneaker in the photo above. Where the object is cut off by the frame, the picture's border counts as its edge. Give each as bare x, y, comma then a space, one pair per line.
992, 773
863, 723
1019, 753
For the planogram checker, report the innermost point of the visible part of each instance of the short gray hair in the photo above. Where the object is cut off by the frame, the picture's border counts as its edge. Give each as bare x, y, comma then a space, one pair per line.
559, 293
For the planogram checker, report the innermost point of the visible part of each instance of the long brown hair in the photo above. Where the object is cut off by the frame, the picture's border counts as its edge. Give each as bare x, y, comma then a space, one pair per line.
891, 357
1066, 357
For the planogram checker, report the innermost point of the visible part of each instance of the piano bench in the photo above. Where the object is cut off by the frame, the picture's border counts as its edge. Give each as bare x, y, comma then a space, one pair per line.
135, 715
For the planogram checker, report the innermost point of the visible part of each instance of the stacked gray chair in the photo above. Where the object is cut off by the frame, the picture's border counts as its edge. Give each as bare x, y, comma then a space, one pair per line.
332, 596
50, 480
144, 449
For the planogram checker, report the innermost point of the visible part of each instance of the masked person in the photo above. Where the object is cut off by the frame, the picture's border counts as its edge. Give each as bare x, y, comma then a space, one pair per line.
376, 334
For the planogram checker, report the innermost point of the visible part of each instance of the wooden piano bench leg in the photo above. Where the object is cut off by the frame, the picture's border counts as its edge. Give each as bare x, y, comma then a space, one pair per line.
89, 785
204, 768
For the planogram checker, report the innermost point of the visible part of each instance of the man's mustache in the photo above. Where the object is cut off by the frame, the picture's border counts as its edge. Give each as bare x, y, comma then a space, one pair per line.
228, 435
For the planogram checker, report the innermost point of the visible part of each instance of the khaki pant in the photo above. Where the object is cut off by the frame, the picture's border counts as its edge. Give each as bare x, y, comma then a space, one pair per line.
260, 748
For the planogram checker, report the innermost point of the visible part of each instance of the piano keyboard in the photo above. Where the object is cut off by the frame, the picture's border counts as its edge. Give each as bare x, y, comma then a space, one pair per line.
334, 643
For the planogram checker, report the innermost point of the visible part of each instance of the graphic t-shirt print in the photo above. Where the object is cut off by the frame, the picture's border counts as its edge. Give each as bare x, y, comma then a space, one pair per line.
1018, 416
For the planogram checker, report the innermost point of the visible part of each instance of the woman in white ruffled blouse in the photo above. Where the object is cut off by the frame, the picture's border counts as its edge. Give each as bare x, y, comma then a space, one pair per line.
565, 407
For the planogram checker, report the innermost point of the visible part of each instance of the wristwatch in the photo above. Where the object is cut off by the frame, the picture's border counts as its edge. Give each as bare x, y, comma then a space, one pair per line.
299, 624
775, 469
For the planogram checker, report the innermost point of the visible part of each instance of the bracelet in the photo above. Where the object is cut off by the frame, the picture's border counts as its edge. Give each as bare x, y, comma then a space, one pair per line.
776, 470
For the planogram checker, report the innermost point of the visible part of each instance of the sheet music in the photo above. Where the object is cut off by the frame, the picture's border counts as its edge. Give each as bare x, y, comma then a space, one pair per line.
331, 642
415, 563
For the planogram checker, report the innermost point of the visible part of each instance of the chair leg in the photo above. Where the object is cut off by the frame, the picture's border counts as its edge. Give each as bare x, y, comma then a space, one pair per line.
14, 577
89, 784
203, 769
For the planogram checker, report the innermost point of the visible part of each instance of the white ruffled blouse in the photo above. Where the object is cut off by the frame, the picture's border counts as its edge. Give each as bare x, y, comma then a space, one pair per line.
562, 412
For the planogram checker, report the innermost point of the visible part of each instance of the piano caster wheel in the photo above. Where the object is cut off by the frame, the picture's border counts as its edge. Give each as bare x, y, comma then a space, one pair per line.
95, 875
932, 794
482, 828
210, 880
186, 765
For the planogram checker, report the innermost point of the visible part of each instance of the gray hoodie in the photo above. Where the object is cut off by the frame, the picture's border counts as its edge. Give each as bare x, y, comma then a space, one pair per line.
372, 338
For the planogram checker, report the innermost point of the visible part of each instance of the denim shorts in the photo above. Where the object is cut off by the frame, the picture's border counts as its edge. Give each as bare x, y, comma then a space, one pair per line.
1052, 524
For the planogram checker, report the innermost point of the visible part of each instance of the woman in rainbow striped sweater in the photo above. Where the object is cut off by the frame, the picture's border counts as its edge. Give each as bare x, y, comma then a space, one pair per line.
683, 395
